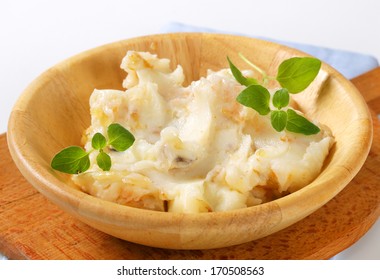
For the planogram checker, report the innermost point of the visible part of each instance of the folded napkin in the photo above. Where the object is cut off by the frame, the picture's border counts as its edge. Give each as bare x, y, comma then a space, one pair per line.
349, 64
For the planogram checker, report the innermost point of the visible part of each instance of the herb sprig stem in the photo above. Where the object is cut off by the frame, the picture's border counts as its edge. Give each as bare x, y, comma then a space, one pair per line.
254, 66
265, 77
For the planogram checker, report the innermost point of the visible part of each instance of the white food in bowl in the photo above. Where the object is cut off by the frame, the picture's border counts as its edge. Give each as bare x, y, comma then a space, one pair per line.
196, 148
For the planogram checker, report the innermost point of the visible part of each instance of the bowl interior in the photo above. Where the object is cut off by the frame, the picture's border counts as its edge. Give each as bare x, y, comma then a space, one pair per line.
53, 112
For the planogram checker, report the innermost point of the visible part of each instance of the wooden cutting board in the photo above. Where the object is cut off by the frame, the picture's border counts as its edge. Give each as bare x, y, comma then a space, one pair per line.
33, 228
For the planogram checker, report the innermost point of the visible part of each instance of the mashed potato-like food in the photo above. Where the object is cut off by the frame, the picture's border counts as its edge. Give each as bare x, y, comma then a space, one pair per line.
196, 148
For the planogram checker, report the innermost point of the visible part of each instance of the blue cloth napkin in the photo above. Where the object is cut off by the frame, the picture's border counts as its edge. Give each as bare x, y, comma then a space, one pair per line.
349, 64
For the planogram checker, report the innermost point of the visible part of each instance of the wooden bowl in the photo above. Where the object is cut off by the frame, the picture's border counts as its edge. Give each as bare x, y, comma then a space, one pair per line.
53, 112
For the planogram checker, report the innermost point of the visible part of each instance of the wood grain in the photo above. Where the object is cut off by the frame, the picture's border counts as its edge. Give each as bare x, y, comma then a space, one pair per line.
370, 82
33, 228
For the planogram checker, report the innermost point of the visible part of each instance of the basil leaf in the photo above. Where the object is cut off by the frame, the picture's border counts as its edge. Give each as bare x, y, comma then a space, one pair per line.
98, 141
104, 161
71, 160
256, 97
278, 119
297, 73
281, 98
119, 137
299, 124
239, 76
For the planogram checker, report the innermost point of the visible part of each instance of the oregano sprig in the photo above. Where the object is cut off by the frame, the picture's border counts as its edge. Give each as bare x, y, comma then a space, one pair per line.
294, 75
75, 159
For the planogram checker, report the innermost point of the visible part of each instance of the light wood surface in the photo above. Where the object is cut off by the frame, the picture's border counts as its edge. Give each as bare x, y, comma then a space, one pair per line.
53, 113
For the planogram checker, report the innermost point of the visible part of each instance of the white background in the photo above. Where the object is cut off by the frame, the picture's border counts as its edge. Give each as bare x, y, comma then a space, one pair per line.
36, 34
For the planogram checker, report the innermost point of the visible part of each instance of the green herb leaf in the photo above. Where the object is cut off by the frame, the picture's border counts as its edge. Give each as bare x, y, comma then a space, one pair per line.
239, 76
71, 160
278, 119
297, 73
119, 137
299, 124
104, 161
256, 97
281, 98
98, 141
